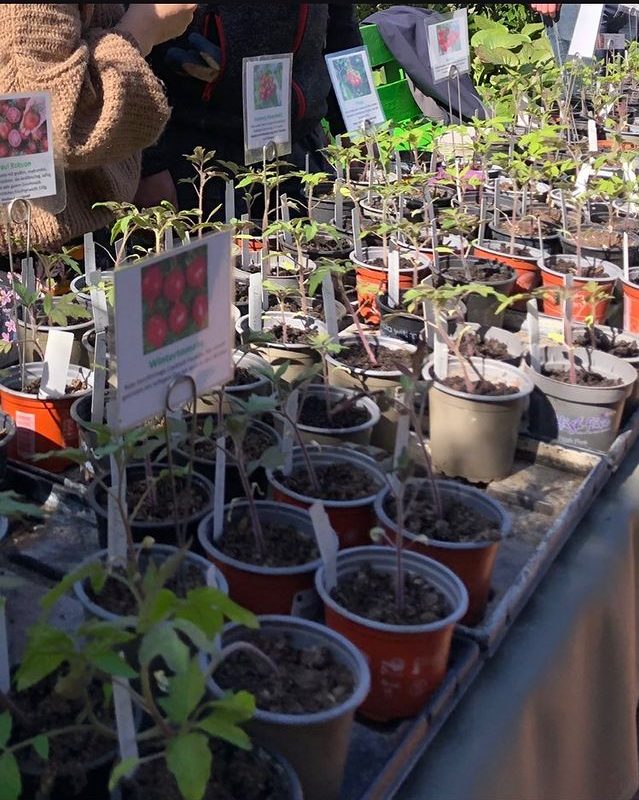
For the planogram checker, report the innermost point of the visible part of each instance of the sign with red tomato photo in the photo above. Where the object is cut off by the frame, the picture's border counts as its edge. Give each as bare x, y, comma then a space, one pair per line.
448, 46
27, 168
267, 86
352, 78
172, 317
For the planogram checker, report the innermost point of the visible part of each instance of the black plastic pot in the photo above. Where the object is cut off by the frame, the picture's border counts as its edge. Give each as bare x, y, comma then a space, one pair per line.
612, 254
551, 241
164, 532
8, 425
481, 309
399, 324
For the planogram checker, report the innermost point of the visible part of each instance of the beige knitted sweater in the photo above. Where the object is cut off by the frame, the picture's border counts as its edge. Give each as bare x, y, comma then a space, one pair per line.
107, 105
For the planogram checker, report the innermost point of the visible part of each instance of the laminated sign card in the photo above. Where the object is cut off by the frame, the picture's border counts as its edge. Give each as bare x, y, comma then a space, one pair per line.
448, 46
172, 318
27, 167
267, 105
352, 79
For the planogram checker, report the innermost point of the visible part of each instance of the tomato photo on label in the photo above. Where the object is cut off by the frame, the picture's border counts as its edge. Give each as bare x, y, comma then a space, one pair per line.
200, 311
152, 283
174, 284
196, 273
156, 331
178, 318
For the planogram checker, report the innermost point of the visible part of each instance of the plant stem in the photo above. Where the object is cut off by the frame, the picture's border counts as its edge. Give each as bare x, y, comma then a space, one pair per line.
353, 314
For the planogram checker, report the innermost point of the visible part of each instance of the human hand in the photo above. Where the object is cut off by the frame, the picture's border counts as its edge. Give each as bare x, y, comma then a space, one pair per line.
153, 23
202, 61
546, 9
155, 188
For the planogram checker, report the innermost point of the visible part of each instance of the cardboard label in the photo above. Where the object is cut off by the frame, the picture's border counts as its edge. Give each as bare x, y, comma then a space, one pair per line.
172, 319
448, 47
352, 78
27, 168
266, 89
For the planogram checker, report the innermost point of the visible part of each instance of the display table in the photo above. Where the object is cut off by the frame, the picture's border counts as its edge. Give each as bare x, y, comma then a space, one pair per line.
552, 715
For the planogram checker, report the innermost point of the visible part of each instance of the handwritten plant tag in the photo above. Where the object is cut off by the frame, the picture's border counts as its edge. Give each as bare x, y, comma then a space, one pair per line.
292, 408
330, 308
266, 91
393, 278
326, 541
352, 78
57, 357
219, 483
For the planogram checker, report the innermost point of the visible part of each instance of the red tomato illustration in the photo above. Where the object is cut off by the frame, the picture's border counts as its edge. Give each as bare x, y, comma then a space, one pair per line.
174, 285
200, 311
196, 273
178, 318
152, 282
156, 331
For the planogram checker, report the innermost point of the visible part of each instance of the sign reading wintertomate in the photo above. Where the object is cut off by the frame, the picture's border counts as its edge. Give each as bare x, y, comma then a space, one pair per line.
172, 319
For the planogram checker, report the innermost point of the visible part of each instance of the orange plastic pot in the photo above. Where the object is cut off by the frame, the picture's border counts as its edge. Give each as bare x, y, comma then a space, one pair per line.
264, 590
472, 562
351, 520
526, 268
581, 309
631, 302
41, 425
407, 662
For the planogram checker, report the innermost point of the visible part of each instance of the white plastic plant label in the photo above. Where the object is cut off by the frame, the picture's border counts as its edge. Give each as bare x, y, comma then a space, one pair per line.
255, 302
125, 723
440, 356
330, 309
352, 78
448, 46
172, 320
584, 36
532, 324
266, 88
219, 483
57, 357
393, 278
27, 166
5, 670
326, 541
593, 144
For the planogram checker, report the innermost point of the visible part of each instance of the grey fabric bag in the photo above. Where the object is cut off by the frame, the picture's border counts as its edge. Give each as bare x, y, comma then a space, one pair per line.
403, 29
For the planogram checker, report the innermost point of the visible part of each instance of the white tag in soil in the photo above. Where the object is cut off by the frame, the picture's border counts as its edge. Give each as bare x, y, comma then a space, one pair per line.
532, 324
219, 483
246, 252
440, 356
57, 357
124, 719
330, 309
5, 669
99, 378
116, 532
255, 302
581, 182
229, 201
393, 278
626, 257
286, 217
28, 274
357, 234
326, 541
402, 434
593, 145
292, 408
339, 205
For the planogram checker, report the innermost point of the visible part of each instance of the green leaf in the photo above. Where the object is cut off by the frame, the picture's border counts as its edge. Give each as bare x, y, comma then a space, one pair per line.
41, 746
46, 650
10, 781
113, 664
188, 757
185, 692
121, 770
6, 724
91, 570
164, 642
219, 728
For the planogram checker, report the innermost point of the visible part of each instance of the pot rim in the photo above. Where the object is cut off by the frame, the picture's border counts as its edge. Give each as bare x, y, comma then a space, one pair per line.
384, 341
254, 423
451, 488
570, 239
497, 228
329, 454
34, 370
527, 384
374, 414
353, 657
241, 326
614, 272
360, 262
205, 537
417, 559
487, 245
581, 352
238, 355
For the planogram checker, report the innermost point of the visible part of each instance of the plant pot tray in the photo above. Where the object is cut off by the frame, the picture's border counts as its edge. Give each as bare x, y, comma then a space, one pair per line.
548, 493
382, 756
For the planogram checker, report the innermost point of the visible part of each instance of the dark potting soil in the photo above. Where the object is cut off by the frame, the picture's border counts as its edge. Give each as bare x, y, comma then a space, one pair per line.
356, 357
293, 335
404, 263
256, 441
584, 377
371, 594
285, 546
116, 597
70, 755
338, 481
528, 227
482, 271
479, 387
325, 245
188, 503
242, 377
601, 238
473, 345
622, 348
76, 385
235, 775
460, 522
314, 413
307, 680
566, 267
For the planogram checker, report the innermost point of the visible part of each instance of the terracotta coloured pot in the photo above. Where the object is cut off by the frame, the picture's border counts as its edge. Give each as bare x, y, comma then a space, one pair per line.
581, 308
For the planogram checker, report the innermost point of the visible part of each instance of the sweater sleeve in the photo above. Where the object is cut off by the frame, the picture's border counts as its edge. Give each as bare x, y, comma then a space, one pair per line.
107, 104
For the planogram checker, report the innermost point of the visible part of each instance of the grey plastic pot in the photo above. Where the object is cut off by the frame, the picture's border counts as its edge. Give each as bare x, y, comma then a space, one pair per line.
621, 336
265, 590
370, 381
9, 427
36, 340
551, 241
473, 562
482, 310
352, 520
252, 363
356, 434
407, 662
89, 346
81, 414
290, 783
513, 342
82, 292
580, 416
214, 577
475, 437
301, 357
315, 744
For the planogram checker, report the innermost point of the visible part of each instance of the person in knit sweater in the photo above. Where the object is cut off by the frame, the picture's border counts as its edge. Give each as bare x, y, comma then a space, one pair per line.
107, 104
207, 102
